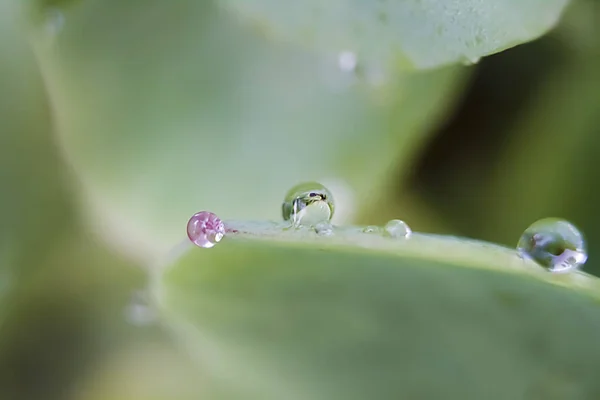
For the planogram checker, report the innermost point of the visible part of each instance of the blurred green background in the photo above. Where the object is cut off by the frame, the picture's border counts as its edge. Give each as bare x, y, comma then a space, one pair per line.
120, 119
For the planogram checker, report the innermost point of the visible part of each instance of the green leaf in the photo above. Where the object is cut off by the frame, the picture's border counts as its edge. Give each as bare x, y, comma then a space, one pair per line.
157, 130
553, 155
413, 33
276, 313
551, 159
34, 209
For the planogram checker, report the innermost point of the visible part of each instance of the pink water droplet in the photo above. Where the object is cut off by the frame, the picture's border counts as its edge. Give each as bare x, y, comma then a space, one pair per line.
205, 229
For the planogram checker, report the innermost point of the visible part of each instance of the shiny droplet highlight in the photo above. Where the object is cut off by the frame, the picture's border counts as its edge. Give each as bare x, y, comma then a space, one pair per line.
470, 60
372, 229
308, 204
397, 229
324, 229
555, 244
205, 229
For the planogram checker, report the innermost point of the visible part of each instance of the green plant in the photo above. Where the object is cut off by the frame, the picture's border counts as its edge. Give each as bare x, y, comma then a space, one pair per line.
275, 313
161, 109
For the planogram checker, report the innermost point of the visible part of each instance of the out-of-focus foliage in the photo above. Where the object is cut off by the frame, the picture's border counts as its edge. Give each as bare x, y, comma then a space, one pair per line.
34, 209
63, 295
529, 139
415, 34
153, 137
123, 118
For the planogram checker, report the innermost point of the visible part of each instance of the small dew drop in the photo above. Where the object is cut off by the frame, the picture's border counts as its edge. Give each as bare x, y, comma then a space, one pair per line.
470, 60
205, 229
324, 229
397, 229
555, 244
372, 229
308, 204
347, 61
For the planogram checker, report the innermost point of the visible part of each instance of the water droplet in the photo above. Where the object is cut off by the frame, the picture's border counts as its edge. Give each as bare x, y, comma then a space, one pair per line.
308, 204
324, 229
205, 229
345, 200
470, 60
372, 229
347, 61
555, 244
397, 229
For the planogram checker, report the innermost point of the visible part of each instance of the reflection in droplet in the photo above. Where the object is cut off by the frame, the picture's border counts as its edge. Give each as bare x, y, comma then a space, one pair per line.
397, 229
324, 229
308, 204
347, 61
345, 200
555, 244
205, 229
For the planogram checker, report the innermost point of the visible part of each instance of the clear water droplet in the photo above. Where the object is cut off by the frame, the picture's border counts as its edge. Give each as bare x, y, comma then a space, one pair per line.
308, 204
555, 244
372, 229
205, 229
324, 229
470, 60
397, 229
347, 61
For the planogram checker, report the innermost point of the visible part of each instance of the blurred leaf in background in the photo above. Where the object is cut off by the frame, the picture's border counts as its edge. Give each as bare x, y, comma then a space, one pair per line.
416, 34
156, 129
132, 115
179, 107
62, 293
524, 144
34, 208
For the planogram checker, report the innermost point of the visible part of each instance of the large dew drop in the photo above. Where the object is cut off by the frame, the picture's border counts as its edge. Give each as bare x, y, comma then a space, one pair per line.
308, 204
554, 244
397, 229
205, 229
